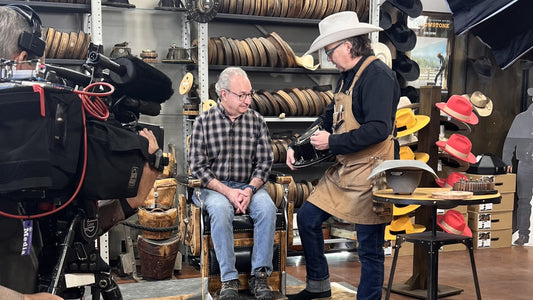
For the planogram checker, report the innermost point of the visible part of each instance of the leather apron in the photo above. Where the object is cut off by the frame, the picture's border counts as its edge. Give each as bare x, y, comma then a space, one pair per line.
344, 191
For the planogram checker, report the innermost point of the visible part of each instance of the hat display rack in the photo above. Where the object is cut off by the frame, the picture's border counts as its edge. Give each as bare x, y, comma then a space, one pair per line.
401, 40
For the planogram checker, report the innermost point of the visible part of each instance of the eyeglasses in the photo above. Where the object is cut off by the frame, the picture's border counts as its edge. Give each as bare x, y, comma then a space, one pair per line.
330, 51
243, 97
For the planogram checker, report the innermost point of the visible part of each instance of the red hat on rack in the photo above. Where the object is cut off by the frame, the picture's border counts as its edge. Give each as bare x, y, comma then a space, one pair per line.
460, 108
452, 178
458, 146
454, 222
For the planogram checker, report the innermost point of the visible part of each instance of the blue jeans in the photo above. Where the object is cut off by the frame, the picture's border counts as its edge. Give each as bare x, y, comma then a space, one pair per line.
261, 209
370, 239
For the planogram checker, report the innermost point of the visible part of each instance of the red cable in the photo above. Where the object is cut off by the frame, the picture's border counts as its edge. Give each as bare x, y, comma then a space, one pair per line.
99, 110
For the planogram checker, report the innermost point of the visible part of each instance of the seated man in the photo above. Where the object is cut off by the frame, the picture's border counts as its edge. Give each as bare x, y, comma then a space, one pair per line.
230, 152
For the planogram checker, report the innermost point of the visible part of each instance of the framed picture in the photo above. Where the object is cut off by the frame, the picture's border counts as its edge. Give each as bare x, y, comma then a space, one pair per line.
434, 33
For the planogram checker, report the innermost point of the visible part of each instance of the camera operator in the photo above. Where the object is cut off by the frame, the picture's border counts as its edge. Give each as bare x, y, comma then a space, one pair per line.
19, 272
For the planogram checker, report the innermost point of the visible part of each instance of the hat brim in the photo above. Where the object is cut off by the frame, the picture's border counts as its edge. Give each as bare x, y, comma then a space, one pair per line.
421, 121
398, 211
423, 157
325, 39
441, 182
457, 165
455, 125
406, 46
466, 232
413, 11
402, 164
417, 228
484, 111
472, 118
408, 140
471, 158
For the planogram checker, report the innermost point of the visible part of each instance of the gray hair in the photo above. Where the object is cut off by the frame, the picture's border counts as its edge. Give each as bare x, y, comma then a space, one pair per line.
11, 27
225, 77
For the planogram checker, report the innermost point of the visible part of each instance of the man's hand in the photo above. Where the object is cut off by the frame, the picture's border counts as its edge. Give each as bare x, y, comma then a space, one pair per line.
237, 198
320, 140
509, 169
152, 141
290, 159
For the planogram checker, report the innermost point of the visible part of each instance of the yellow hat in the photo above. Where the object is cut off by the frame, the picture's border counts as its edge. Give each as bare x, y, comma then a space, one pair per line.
407, 122
403, 210
402, 225
407, 153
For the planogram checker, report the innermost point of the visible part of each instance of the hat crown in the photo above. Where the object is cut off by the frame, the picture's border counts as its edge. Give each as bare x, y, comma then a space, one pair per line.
454, 220
478, 99
407, 153
334, 22
403, 63
459, 104
400, 32
402, 223
459, 143
405, 118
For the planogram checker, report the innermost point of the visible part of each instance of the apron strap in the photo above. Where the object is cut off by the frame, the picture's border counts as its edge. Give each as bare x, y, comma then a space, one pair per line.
365, 64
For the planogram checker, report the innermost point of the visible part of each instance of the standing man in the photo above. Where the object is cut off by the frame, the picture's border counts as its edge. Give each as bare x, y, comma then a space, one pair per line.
519, 143
20, 42
358, 129
231, 153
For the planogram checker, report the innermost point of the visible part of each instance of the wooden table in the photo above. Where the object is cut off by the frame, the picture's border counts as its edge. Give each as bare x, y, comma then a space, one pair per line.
431, 240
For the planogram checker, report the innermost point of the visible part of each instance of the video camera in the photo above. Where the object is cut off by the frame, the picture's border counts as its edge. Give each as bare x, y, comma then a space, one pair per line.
70, 138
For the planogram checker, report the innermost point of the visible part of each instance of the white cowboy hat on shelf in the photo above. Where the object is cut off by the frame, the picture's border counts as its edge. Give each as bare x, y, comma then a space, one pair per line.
339, 26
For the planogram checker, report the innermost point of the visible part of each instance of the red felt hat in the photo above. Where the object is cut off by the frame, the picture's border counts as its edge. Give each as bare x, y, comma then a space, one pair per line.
460, 108
452, 178
458, 146
454, 222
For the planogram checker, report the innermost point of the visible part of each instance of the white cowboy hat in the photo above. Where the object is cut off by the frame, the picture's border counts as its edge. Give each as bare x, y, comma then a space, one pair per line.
339, 26
481, 104
382, 52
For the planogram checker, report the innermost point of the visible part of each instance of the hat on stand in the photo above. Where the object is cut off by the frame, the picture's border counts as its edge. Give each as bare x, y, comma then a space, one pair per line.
454, 125
382, 52
413, 8
398, 210
339, 26
406, 67
407, 154
481, 104
452, 178
451, 163
402, 225
407, 122
453, 222
403, 38
460, 108
403, 176
404, 102
459, 146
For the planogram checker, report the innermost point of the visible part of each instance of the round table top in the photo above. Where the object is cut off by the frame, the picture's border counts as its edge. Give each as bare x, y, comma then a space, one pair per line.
422, 196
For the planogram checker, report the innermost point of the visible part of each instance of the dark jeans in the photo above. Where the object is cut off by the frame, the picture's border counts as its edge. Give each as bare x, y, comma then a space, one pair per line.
369, 237
524, 187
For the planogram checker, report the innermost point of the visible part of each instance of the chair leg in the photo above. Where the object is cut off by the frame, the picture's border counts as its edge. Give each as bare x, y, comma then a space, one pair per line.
469, 245
397, 247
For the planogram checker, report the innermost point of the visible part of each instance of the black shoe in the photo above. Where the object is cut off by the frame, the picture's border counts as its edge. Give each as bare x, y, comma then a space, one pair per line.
522, 239
229, 290
306, 295
259, 286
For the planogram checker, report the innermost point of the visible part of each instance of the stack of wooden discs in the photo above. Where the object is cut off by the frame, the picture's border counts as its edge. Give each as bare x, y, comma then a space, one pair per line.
149, 56
269, 51
64, 45
291, 102
279, 147
304, 9
297, 194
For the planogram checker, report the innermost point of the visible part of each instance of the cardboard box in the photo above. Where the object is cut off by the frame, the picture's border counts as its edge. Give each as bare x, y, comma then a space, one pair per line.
406, 249
504, 183
485, 239
506, 204
490, 220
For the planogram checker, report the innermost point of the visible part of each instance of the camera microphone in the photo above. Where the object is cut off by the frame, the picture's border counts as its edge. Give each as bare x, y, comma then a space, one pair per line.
135, 78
